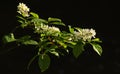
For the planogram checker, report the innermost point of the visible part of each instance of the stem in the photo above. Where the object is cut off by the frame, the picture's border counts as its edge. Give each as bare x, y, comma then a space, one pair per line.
15, 29
3, 52
30, 62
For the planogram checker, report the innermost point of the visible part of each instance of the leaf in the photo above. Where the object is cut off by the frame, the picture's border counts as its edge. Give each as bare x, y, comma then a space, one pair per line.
71, 29
96, 40
97, 48
23, 25
50, 19
57, 23
70, 42
62, 43
34, 14
78, 29
52, 50
24, 38
30, 42
32, 61
44, 62
20, 21
55, 53
9, 38
21, 18
42, 35
39, 21
78, 49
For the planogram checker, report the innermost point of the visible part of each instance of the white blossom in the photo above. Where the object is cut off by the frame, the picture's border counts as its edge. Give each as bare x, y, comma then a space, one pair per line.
23, 9
54, 29
84, 34
47, 30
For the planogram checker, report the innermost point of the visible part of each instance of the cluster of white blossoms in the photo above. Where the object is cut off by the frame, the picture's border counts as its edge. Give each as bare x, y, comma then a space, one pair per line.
23, 9
53, 31
47, 30
84, 34
41, 28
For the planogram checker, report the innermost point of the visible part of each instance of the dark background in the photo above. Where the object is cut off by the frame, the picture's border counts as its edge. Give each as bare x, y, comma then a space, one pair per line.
103, 16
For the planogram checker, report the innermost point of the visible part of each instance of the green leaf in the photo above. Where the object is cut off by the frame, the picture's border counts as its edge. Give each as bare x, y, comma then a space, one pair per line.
39, 21
78, 49
78, 29
34, 14
57, 23
52, 50
62, 43
97, 48
42, 35
9, 38
96, 40
32, 61
44, 62
70, 42
55, 53
23, 25
50, 19
24, 38
21, 18
20, 21
71, 29
30, 42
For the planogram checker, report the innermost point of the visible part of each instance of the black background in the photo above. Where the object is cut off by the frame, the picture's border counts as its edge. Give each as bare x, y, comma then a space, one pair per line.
103, 16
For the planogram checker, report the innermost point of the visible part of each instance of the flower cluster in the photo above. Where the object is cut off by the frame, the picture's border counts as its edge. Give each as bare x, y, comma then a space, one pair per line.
23, 9
48, 30
85, 34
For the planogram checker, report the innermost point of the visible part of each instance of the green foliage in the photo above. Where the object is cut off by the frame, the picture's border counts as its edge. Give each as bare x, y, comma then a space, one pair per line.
9, 38
24, 38
96, 40
78, 49
71, 29
44, 62
55, 21
50, 39
97, 48
30, 62
30, 42
34, 15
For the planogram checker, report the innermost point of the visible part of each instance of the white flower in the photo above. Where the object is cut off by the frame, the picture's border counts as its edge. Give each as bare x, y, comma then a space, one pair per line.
23, 9
89, 33
77, 35
84, 34
54, 29
47, 30
44, 27
41, 28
